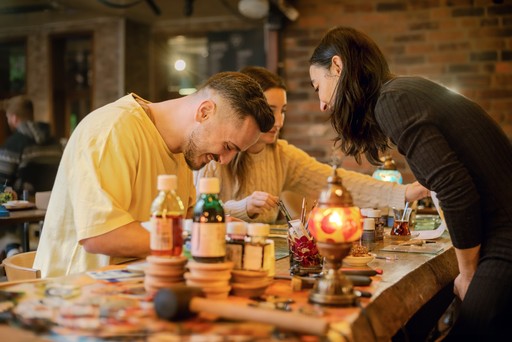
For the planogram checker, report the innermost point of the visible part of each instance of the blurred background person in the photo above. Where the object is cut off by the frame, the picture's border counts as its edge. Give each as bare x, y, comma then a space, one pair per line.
29, 140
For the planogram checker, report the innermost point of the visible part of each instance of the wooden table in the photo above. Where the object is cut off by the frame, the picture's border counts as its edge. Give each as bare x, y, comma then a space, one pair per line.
405, 286
23, 217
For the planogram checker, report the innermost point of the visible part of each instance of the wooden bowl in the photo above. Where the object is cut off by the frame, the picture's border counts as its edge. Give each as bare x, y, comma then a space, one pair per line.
358, 260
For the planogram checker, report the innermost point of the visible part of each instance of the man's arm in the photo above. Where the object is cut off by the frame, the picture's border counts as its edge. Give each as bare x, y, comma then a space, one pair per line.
130, 240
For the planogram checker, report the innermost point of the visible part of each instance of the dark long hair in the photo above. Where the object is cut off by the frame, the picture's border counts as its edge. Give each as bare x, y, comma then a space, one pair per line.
365, 70
238, 166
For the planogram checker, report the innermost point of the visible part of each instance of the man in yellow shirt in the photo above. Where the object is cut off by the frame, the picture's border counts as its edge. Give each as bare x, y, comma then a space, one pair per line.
108, 173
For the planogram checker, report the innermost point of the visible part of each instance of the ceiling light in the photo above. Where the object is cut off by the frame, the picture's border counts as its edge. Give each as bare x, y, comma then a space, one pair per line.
254, 9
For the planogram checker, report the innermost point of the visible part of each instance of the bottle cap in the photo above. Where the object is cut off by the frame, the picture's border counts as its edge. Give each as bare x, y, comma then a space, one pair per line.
167, 182
368, 224
258, 229
209, 185
236, 228
187, 225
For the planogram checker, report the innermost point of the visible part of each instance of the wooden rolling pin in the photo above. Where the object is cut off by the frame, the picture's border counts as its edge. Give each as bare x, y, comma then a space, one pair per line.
180, 302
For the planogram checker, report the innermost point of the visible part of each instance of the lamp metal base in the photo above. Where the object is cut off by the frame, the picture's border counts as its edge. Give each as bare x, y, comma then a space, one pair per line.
333, 288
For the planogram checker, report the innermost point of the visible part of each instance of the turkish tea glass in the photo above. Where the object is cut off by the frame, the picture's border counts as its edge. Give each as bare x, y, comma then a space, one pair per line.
401, 222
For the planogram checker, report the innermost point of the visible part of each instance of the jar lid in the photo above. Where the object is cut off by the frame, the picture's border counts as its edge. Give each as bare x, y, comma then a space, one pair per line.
373, 213
368, 224
258, 229
236, 228
167, 182
209, 185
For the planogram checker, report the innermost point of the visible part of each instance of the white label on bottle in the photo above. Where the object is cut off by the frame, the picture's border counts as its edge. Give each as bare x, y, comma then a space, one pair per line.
208, 240
161, 238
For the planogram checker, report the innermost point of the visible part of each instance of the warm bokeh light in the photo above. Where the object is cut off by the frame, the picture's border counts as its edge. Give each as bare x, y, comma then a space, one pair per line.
180, 65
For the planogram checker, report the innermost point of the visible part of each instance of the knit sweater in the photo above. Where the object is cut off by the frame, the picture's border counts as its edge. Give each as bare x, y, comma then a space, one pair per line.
455, 149
282, 166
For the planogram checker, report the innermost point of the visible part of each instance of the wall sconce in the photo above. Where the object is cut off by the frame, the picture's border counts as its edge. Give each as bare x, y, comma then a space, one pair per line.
388, 171
335, 223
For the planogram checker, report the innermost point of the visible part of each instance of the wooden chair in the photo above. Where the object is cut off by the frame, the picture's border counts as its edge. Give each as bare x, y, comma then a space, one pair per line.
19, 267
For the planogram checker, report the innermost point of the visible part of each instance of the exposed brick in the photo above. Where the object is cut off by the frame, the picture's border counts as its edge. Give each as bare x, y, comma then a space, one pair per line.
494, 32
455, 57
409, 60
504, 67
394, 50
474, 81
440, 12
506, 55
489, 68
317, 21
488, 44
503, 81
453, 46
419, 37
484, 56
468, 12
489, 22
456, 68
429, 25
503, 105
426, 70
499, 10
459, 2
423, 4
359, 7
391, 6
445, 36
419, 48
496, 93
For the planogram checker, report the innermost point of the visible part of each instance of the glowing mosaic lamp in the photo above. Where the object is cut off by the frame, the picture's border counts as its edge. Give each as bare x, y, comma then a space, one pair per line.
388, 171
335, 223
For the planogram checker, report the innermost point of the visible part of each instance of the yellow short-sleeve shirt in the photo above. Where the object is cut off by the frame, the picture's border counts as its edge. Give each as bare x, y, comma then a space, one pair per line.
107, 178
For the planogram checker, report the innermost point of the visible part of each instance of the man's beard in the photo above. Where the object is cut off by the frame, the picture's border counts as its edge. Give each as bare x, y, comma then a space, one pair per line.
191, 152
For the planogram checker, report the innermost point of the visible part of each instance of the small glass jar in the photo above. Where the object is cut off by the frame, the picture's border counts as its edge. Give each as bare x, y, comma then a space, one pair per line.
258, 250
236, 233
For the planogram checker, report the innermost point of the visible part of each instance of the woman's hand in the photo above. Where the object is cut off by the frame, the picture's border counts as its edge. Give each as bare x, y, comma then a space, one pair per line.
260, 201
461, 284
415, 191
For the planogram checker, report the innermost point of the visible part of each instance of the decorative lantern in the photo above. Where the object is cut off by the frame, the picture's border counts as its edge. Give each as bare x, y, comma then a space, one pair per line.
388, 171
335, 223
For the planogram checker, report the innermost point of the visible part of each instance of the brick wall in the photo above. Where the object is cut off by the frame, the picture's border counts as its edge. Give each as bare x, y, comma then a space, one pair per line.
464, 44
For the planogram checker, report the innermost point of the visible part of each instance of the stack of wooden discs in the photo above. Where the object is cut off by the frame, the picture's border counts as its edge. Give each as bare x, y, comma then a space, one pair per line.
245, 283
213, 279
163, 272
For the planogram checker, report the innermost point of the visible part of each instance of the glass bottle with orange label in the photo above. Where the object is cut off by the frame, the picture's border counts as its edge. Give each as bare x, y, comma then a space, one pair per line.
166, 219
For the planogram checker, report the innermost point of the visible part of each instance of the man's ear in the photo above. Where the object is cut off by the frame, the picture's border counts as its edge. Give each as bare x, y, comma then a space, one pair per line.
205, 111
336, 65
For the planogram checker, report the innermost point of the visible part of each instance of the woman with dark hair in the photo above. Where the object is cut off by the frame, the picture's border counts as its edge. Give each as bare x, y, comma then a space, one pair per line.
253, 181
470, 171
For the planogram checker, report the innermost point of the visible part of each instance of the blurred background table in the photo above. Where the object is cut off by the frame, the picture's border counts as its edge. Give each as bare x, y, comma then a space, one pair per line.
23, 218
